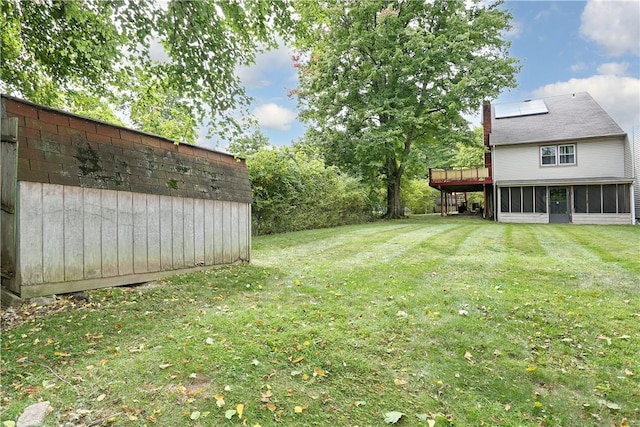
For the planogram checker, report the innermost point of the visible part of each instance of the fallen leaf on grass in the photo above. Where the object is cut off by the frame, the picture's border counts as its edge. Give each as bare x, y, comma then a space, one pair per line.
101, 397
271, 406
164, 366
240, 409
399, 382
219, 400
230, 413
392, 417
195, 415
319, 372
299, 409
531, 368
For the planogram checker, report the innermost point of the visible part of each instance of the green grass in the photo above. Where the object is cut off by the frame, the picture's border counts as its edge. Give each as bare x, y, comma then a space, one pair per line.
462, 321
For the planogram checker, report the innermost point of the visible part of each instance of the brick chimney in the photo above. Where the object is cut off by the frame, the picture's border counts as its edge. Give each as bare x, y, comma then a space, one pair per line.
486, 125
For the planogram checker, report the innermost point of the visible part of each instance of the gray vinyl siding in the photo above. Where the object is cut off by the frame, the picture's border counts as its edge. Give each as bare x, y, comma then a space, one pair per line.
634, 139
597, 158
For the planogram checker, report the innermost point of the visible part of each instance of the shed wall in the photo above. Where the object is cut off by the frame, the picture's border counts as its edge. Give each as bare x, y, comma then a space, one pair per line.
99, 205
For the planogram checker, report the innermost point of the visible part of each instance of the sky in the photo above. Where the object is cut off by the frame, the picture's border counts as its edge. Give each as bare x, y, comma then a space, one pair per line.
563, 47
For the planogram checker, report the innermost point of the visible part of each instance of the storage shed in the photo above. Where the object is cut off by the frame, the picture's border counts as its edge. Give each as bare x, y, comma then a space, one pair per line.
87, 204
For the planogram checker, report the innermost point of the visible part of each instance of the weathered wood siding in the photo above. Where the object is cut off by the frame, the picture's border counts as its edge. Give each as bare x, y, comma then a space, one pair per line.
99, 205
69, 234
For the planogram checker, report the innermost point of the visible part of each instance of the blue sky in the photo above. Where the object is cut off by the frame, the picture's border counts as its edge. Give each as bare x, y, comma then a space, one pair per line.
563, 47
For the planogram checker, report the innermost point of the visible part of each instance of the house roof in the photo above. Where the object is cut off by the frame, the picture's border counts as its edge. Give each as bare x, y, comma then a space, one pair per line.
569, 117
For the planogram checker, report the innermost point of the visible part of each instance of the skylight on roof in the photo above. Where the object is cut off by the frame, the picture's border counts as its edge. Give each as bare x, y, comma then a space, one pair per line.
518, 109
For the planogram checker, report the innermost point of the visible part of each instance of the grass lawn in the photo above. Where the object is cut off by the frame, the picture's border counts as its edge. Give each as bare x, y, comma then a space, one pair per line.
447, 321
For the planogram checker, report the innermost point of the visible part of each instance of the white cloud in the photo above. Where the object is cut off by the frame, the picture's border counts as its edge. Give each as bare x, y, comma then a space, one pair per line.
614, 25
613, 68
273, 116
515, 31
579, 66
617, 95
276, 60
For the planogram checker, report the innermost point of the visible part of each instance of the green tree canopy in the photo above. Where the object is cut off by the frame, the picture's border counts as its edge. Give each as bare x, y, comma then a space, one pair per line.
52, 50
381, 78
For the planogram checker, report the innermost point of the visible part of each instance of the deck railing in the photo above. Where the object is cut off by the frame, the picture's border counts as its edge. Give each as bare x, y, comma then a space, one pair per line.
459, 174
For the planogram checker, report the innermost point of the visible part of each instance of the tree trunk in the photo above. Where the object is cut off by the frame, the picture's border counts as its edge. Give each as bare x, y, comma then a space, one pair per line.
394, 176
394, 206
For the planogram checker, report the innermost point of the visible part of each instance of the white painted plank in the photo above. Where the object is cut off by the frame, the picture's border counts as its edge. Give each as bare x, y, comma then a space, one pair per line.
218, 241
139, 202
189, 234
109, 232
209, 251
235, 232
227, 245
198, 231
73, 233
153, 232
166, 233
30, 233
53, 233
125, 233
92, 233
177, 229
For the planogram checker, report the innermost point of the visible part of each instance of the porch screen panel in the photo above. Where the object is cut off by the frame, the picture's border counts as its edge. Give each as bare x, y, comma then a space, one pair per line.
580, 198
504, 199
609, 198
516, 201
541, 199
527, 199
624, 206
593, 199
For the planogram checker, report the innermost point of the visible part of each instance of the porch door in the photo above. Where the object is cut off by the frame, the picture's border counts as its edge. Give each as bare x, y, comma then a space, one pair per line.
559, 205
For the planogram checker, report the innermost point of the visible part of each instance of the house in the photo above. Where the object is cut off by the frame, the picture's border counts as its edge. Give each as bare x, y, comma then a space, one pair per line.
560, 159
87, 204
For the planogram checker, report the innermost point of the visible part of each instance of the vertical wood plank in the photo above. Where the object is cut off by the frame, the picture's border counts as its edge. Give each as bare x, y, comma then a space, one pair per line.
92, 233
217, 231
125, 233
53, 233
73, 233
177, 229
198, 231
235, 234
8, 218
227, 244
139, 203
189, 236
109, 209
153, 232
166, 233
209, 250
30, 233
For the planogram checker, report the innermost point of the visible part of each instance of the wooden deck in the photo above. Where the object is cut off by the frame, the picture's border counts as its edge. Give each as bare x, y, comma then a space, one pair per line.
460, 179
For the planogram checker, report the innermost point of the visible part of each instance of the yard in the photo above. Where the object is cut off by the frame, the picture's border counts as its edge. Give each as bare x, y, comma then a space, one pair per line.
426, 321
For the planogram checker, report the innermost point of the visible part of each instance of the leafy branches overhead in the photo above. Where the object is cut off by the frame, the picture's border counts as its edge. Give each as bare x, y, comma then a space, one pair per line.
383, 79
122, 49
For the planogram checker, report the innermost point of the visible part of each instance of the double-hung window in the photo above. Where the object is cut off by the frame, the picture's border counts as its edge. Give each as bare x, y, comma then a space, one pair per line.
554, 155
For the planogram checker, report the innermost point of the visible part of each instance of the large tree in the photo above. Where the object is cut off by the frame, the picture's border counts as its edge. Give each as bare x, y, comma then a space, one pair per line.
380, 79
159, 60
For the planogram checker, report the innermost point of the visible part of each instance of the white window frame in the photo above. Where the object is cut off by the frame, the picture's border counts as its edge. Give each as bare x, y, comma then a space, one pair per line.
557, 155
